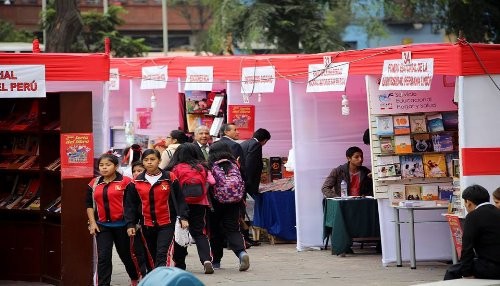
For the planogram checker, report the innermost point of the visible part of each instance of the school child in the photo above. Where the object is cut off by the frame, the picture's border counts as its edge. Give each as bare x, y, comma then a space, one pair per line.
137, 168
157, 195
188, 167
105, 201
130, 155
225, 218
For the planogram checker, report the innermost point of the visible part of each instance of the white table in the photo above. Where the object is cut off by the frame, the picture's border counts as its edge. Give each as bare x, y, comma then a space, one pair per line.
397, 223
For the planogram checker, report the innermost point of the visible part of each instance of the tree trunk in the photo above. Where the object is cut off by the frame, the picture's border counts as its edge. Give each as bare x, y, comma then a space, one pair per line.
66, 27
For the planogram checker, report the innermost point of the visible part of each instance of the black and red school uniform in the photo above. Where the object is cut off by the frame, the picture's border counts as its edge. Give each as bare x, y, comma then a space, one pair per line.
108, 201
153, 207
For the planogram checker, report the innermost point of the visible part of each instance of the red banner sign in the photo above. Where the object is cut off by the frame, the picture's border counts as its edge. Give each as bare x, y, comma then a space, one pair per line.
77, 155
243, 116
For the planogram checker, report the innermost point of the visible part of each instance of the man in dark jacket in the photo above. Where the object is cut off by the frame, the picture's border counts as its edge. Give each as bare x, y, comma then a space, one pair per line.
252, 150
229, 134
481, 238
357, 176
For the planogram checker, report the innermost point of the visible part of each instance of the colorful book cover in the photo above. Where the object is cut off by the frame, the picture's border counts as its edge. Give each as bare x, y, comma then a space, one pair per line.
435, 122
396, 193
413, 192
442, 142
445, 191
386, 145
275, 168
450, 121
243, 116
77, 155
411, 167
401, 124
434, 165
430, 192
449, 161
386, 171
193, 121
196, 101
418, 124
422, 143
402, 144
385, 125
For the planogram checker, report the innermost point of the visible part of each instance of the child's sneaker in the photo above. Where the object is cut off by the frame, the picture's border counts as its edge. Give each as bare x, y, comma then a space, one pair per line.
216, 265
244, 261
209, 268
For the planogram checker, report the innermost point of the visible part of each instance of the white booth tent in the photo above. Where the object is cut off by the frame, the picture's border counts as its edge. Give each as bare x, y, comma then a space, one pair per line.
321, 136
320, 133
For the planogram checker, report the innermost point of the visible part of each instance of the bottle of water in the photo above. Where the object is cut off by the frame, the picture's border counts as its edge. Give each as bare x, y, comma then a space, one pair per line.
343, 189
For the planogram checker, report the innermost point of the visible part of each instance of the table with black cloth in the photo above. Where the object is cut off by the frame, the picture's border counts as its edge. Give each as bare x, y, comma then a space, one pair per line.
275, 212
345, 219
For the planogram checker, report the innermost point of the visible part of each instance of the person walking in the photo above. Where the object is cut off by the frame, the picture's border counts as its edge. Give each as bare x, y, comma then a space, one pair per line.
252, 150
156, 193
105, 210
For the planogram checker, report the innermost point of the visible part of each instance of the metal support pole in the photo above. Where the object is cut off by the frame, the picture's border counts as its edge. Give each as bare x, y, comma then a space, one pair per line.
164, 10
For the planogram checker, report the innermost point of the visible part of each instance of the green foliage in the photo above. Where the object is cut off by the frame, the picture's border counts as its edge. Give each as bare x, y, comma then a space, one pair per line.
9, 34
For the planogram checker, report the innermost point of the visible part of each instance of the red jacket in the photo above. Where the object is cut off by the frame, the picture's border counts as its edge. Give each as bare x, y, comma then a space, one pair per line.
108, 199
154, 204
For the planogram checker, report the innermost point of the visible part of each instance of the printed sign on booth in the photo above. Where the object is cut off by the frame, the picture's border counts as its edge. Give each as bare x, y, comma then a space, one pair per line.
77, 155
114, 79
199, 78
154, 77
327, 78
407, 75
243, 116
258, 79
22, 81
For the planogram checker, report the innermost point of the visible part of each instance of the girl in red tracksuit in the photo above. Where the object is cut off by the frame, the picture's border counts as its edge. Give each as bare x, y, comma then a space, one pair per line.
150, 201
189, 168
105, 210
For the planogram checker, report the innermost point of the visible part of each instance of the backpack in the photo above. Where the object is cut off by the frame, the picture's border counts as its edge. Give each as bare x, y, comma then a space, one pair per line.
228, 188
192, 181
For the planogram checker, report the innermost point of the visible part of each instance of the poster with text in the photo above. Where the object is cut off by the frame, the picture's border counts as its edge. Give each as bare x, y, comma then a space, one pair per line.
22, 81
456, 233
77, 155
144, 117
243, 116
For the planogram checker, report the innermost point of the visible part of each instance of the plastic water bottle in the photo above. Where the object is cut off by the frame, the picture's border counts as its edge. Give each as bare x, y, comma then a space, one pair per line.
343, 189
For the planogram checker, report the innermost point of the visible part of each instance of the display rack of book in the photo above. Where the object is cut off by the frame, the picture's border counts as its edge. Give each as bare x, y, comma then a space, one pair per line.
204, 108
414, 156
38, 233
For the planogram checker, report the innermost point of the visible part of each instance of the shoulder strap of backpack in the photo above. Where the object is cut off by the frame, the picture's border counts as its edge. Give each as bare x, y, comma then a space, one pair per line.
172, 192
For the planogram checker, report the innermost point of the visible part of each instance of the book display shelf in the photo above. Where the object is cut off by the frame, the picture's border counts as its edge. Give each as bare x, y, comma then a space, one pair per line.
205, 108
414, 156
42, 216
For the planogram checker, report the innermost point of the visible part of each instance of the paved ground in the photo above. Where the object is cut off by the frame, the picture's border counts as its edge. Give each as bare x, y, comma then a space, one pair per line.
281, 264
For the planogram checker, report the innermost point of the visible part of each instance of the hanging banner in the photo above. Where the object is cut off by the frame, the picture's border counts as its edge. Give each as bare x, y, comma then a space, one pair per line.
77, 155
199, 78
413, 74
456, 232
327, 78
154, 77
258, 79
22, 81
114, 79
243, 116
440, 98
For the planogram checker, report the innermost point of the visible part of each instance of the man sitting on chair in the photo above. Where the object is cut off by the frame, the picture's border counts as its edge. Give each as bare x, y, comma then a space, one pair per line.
481, 238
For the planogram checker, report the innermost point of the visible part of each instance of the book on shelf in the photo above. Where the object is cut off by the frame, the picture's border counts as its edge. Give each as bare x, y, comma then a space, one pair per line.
443, 142
216, 104
445, 191
31, 192
396, 193
55, 165
30, 162
418, 124
10, 184
455, 168
386, 145
411, 166
388, 167
422, 143
385, 125
276, 165
450, 121
402, 144
20, 190
54, 205
196, 101
24, 123
53, 125
430, 192
413, 192
401, 124
35, 205
435, 122
434, 165
449, 162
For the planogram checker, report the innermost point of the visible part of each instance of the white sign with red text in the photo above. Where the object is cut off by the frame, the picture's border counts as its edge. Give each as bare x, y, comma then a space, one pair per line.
114, 79
154, 77
331, 77
414, 74
199, 78
258, 79
21, 81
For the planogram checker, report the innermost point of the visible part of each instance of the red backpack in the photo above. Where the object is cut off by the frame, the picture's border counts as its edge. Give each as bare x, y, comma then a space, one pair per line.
193, 182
